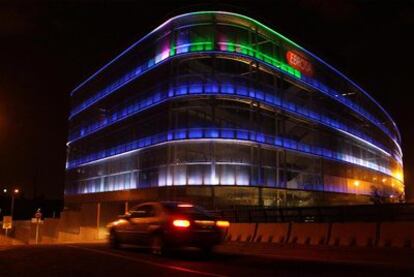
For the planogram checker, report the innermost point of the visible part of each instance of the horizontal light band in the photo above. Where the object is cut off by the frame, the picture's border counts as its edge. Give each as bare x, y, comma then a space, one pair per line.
227, 89
255, 22
226, 135
239, 49
235, 174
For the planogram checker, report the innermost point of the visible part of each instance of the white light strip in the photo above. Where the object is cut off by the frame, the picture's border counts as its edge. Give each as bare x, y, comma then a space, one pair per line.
351, 158
364, 141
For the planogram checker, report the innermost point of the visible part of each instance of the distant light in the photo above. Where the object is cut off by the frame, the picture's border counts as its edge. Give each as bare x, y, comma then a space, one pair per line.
384, 180
16, 191
223, 224
348, 93
399, 175
5, 190
181, 223
185, 205
356, 183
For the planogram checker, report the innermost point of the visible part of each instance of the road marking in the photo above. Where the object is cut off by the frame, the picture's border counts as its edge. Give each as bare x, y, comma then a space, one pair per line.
178, 268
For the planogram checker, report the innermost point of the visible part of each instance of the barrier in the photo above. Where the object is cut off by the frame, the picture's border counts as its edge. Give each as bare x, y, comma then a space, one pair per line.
309, 233
272, 232
241, 232
88, 233
353, 234
68, 237
70, 221
22, 230
49, 228
396, 234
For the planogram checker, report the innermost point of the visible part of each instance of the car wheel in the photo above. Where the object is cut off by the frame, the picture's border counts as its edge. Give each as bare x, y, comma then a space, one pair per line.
114, 240
157, 245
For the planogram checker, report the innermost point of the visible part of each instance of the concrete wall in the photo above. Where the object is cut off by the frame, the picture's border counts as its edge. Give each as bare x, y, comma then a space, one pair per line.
272, 232
309, 233
353, 234
350, 234
397, 234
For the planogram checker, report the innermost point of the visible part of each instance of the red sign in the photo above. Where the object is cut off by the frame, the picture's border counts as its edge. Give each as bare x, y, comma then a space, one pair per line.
299, 62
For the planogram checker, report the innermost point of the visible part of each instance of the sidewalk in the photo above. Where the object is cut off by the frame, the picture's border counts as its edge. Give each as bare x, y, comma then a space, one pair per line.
6, 242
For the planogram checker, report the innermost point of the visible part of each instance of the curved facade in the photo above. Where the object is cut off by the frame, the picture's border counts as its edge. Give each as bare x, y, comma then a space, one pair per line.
219, 99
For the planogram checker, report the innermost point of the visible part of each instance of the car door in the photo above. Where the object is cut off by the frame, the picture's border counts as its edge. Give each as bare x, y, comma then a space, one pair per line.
132, 231
139, 220
151, 223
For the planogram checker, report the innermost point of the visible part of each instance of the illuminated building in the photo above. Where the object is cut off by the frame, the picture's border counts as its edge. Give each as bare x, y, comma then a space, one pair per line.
217, 108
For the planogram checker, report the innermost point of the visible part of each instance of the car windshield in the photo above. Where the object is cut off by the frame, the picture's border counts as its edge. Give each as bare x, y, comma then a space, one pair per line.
184, 208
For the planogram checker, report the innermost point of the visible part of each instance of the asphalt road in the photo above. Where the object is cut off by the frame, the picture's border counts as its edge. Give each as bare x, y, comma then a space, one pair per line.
99, 260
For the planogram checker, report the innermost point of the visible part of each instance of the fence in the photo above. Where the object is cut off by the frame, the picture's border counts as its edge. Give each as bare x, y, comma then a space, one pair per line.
359, 213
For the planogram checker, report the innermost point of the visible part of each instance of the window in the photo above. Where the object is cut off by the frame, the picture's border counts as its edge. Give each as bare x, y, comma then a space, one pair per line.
143, 211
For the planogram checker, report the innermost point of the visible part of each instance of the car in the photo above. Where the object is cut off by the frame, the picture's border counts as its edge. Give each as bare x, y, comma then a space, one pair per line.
162, 226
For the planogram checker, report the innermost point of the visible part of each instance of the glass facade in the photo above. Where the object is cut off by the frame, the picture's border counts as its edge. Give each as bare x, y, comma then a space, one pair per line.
218, 99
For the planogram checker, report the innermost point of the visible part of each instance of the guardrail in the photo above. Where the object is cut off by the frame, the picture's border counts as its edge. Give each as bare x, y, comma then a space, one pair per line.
355, 234
358, 213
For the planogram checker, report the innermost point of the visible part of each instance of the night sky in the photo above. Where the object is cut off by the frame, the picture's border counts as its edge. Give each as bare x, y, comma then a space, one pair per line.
47, 48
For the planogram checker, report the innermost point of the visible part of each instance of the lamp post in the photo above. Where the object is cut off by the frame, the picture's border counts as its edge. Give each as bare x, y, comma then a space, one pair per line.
13, 194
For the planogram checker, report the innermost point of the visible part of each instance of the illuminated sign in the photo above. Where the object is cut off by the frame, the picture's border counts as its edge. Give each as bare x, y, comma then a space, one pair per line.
299, 62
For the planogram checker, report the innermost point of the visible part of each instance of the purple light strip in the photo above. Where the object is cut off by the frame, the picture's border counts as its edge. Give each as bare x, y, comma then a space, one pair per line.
225, 89
235, 135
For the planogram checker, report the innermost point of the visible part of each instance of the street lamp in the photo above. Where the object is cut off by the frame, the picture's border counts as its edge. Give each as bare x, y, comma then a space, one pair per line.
13, 193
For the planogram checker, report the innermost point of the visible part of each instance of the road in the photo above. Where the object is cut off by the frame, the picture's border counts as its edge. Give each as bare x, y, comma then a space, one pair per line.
99, 260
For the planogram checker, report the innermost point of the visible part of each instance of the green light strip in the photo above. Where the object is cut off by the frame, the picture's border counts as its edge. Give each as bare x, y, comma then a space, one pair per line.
234, 47
249, 51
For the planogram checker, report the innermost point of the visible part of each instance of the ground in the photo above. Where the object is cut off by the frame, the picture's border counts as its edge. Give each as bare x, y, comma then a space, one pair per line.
99, 260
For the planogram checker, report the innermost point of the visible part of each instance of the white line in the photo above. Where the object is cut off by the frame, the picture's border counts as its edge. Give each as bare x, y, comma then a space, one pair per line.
177, 268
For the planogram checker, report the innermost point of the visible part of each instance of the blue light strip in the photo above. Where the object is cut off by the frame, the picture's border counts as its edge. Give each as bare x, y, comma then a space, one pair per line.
262, 26
227, 89
226, 135
126, 79
132, 75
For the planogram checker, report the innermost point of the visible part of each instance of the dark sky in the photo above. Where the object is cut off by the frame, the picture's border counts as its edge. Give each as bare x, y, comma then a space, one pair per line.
47, 48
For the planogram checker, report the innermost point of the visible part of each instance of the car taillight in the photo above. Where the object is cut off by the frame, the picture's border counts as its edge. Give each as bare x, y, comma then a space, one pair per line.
184, 205
222, 223
181, 223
